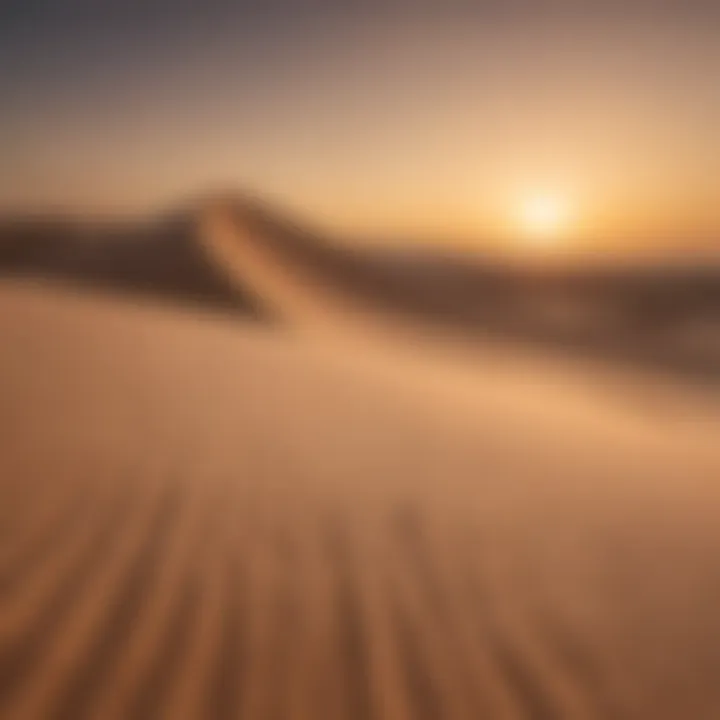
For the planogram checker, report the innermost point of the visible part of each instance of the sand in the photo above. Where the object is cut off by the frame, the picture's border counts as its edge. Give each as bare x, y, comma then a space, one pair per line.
206, 517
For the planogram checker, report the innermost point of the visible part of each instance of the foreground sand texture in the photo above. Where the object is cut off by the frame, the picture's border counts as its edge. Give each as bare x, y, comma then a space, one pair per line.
202, 517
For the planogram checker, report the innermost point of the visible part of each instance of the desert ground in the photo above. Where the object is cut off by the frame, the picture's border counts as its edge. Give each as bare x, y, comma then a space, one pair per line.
274, 500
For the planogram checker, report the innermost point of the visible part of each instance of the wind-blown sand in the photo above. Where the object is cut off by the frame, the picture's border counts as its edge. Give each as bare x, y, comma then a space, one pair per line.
206, 518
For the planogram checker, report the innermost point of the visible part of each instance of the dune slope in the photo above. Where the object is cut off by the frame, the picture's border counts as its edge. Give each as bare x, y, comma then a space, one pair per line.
201, 519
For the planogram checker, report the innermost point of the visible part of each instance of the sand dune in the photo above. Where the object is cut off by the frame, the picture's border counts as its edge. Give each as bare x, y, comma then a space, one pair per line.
657, 314
239, 256
203, 516
160, 258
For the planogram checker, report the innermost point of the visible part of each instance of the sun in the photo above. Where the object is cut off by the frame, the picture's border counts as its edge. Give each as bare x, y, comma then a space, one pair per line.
544, 217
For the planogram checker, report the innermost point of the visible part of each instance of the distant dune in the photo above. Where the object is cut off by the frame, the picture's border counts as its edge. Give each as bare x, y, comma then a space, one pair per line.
160, 257
660, 315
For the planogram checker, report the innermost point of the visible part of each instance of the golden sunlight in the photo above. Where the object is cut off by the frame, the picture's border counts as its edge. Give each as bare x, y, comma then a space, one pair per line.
545, 218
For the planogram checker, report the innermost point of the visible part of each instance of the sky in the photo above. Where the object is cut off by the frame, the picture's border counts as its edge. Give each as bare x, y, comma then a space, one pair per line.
594, 122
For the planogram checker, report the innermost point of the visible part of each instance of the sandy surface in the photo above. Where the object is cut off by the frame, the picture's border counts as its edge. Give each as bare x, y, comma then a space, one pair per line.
207, 518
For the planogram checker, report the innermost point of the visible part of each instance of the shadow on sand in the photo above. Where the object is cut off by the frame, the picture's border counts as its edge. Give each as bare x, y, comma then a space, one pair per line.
160, 260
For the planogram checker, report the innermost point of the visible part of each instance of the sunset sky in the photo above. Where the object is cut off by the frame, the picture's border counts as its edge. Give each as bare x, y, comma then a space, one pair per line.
594, 123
